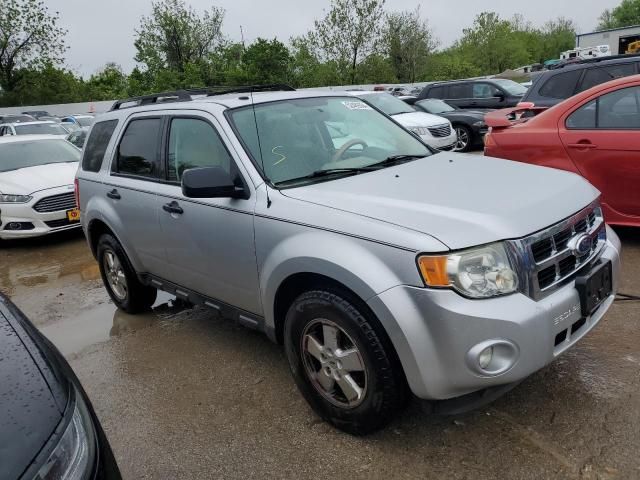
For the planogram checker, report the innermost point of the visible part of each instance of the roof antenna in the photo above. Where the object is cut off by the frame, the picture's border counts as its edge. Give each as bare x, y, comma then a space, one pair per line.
255, 120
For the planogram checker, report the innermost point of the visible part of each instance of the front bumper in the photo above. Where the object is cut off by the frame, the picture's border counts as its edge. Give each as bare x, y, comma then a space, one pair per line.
25, 214
434, 330
441, 143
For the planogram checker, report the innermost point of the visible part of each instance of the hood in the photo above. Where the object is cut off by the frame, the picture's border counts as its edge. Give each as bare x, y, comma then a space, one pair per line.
471, 115
462, 200
419, 119
29, 412
26, 181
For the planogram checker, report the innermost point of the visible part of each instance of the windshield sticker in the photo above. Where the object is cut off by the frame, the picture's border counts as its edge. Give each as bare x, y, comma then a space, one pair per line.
356, 105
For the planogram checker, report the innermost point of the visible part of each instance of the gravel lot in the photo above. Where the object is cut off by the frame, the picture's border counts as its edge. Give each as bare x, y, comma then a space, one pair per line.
185, 394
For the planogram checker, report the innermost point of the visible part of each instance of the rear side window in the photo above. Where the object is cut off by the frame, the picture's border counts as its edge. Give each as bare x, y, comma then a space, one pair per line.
97, 145
460, 90
562, 85
138, 152
596, 76
584, 118
436, 92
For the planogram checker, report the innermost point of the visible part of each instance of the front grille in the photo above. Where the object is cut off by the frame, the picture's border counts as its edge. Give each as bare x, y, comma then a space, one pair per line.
62, 222
440, 130
554, 256
56, 203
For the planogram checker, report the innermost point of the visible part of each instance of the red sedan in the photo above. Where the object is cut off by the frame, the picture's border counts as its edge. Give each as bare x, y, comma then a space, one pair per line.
595, 134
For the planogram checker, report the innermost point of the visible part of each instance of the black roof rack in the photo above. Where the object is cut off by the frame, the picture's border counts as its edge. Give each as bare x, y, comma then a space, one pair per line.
571, 62
186, 95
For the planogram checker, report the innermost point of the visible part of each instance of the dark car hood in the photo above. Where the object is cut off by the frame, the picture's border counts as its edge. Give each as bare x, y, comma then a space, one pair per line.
466, 115
30, 409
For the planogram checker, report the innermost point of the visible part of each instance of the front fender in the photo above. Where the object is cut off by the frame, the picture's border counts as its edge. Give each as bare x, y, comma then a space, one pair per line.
367, 268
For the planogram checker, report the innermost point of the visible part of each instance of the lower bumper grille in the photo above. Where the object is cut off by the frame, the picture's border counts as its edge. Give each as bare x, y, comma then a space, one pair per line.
63, 222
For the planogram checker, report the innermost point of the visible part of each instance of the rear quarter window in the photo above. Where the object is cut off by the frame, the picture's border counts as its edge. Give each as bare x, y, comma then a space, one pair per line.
596, 76
96, 145
563, 85
436, 92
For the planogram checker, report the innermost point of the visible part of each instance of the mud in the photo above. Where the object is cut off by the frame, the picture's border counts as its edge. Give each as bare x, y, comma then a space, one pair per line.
186, 394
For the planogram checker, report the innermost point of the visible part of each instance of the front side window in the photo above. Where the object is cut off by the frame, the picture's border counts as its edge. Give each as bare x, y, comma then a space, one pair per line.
596, 76
291, 140
138, 152
484, 90
96, 145
194, 143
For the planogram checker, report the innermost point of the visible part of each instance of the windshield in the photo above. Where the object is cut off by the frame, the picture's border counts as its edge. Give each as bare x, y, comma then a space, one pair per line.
388, 103
85, 121
301, 136
435, 106
39, 129
511, 87
15, 155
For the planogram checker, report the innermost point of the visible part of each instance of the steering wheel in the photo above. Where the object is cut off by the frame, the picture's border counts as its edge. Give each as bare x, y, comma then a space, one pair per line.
342, 150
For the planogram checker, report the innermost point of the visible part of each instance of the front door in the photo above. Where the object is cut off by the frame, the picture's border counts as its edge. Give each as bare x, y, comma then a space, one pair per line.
209, 243
602, 137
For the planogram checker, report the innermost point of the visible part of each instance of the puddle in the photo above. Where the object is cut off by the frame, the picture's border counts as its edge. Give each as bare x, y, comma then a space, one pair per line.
98, 324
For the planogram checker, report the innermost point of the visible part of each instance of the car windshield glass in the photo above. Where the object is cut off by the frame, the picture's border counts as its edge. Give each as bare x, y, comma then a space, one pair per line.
15, 155
39, 129
388, 103
85, 121
435, 106
512, 88
295, 138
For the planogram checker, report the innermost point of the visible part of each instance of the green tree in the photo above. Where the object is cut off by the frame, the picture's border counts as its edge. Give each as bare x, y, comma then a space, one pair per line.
29, 38
108, 83
557, 36
175, 36
408, 41
139, 82
624, 15
492, 45
267, 62
348, 34
308, 70
45, 85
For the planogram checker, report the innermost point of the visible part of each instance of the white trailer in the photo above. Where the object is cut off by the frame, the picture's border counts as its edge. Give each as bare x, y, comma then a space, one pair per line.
618, 39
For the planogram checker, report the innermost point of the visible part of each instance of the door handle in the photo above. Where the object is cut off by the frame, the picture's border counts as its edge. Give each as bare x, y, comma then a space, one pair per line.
581, 145
173, 207
114, 194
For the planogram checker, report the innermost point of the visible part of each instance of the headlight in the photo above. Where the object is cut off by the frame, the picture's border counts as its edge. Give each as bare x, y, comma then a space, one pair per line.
478, 272
420, 130
14, 198
480, 124
73, 457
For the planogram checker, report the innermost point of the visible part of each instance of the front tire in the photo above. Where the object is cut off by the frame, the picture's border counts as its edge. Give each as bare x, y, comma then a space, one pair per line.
342, 362
465, 139
120, 279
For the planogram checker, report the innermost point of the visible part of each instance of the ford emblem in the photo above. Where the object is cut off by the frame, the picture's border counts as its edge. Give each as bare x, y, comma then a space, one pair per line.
581, 245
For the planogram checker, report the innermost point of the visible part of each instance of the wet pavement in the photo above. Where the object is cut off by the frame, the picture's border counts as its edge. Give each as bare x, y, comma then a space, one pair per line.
185, 394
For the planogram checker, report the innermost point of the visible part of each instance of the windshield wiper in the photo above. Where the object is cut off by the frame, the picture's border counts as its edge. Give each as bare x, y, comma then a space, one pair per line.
327, 172
393, 159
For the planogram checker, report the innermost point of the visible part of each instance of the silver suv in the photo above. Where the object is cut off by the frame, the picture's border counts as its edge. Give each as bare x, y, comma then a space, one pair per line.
383, 267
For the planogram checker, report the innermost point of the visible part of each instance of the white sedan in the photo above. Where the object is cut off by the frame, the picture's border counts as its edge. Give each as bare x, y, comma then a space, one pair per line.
37, 196
435, 131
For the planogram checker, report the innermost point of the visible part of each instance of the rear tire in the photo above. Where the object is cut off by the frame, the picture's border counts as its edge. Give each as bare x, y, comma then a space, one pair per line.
343, 362
120, 279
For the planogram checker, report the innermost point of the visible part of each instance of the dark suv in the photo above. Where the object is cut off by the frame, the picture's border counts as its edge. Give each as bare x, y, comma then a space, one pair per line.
485, 93
553, 86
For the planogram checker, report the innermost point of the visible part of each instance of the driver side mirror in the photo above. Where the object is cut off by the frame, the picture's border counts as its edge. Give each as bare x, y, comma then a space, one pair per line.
210, 182
500, 96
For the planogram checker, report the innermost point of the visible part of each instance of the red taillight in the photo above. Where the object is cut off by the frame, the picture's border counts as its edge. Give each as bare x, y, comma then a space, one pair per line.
77, 192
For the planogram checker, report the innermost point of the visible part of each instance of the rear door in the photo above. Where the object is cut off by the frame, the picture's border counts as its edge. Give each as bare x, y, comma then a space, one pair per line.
460, 95
602, 137
209, 242
136, 170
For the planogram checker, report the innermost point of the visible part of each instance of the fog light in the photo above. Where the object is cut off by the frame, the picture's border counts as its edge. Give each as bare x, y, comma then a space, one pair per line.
485, 357
14, 226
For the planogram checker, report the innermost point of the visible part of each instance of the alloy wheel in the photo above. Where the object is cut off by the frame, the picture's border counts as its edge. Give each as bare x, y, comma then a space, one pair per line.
115, 274
463, 139
333, 363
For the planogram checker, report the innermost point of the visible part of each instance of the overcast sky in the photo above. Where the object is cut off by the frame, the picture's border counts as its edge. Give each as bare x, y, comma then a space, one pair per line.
102, 31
